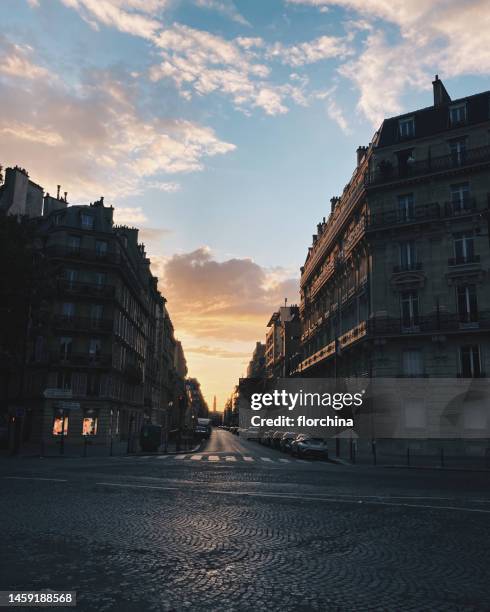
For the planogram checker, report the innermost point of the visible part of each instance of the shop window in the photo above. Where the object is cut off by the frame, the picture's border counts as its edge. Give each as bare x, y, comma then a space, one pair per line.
60, 424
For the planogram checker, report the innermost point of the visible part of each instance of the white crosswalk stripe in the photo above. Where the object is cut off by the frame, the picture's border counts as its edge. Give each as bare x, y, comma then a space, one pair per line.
213, 458
196, 457
163, 456
285, 460
180, 456
248, 458
230, 458
266, 459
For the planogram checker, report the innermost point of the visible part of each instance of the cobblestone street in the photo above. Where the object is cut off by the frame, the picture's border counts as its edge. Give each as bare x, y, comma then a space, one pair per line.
241, 527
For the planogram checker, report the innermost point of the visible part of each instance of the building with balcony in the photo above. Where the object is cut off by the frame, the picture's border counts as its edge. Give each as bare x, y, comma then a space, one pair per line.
282, 341
100, 352
256, 366
396, 280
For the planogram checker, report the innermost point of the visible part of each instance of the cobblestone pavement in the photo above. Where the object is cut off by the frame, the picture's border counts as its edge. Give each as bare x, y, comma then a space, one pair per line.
234, 528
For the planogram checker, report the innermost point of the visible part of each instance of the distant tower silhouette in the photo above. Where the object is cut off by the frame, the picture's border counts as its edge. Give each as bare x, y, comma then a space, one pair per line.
214, 404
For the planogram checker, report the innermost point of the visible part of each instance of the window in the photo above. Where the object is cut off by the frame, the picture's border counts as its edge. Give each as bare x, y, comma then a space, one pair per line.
410, 309
457, 114
406, 127
100, 248
464, 248
96, 312
93, 384
460, 197
407, 255
65, 347
74, 243
470, 361
100, 278
71, 276
89, 427
68, 310
57, 219
63, 380
458, 151
467, 304
94, 349
412, 363
60, 423
405, 207
405, 161
87, 221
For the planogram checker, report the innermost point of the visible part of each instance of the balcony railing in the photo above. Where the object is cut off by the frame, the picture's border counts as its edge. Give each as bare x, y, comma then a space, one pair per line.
463, 260
389, 173
82, 323
423, 213
83, 254
408, 267
89, 289
81, 359
434, 323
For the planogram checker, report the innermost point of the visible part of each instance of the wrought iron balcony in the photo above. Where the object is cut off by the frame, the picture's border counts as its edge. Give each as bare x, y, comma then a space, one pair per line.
66, 251
81, 359
82, 323
388, 173
88, 289
463, 260
408, 267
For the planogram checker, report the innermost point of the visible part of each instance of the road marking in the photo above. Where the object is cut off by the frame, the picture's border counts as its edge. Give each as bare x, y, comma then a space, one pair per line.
284, 460
301, 461
35, 478
180, 456
248, 458
266, 459
135, 486
196, 457
163, 456
213, 458
231, 458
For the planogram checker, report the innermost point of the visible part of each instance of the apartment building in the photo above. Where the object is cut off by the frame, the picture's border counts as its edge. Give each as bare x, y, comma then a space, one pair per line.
282, 341
256, 366
100, 349
396, 280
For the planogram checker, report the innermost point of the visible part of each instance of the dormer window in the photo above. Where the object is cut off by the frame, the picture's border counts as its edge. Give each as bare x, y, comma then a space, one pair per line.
406, 127
87, 221
457, 114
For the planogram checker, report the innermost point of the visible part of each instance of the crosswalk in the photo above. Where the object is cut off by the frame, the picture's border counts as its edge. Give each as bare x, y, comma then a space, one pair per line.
214, 458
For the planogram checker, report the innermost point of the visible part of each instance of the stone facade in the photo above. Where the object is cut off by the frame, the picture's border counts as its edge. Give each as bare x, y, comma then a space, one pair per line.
396, 280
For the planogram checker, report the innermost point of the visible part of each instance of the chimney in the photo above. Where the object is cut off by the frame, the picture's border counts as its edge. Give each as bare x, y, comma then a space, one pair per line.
58, 192
333, 203
441, 96
361, 152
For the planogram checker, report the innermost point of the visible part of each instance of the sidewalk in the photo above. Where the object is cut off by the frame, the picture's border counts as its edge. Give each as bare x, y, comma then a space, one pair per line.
119, 449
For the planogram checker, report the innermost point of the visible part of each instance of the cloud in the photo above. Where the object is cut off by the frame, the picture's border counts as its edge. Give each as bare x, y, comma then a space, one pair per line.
220, 353
129, 216
444, 36
168, 187
16, 61
229, 300
136, 17
99, 142
153, 234
225, 8
322, 48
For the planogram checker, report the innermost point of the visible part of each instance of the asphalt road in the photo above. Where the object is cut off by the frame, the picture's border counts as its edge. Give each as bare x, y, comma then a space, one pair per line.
238, 526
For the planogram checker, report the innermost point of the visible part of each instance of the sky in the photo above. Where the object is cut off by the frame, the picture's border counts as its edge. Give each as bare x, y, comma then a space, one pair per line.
222, 129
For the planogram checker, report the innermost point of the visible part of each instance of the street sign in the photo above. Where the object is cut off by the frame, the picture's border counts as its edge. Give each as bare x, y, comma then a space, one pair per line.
57, 393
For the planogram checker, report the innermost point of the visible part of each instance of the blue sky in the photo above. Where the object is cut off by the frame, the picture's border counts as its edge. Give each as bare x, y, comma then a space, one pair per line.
221, 128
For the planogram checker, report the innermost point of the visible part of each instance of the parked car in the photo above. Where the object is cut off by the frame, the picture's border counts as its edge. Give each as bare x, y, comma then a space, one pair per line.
265, 438
276, 439
286, 440
306, 446
252, 433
